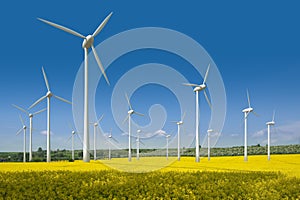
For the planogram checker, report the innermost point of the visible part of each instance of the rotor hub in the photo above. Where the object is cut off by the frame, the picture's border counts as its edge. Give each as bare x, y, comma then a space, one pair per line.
73, 132
247, 110
30, 115
200, 87
49, 94
95, 124
130, 112
88, 41
24, 127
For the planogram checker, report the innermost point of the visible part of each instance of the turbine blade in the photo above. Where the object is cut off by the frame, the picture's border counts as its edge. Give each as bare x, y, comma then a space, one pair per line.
38, 112
19, 131
100, 119
38, 101
206, 74
142, 143
62, 99
21, 119
274, 112
46, 80
69, 138
101, 26
207, 99
191, 84
128, 101
19, 108
100, 64
126, 119
248, 99
183, 116
62, 28
140, 114
257, 115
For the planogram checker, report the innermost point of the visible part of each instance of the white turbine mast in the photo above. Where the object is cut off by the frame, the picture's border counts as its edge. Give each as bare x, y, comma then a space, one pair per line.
96, 124
269, 124
110, 137
209, 131
86, 44
24, 142
167, 148
179, 123
197, 89
48, 95
30, 115
130, 112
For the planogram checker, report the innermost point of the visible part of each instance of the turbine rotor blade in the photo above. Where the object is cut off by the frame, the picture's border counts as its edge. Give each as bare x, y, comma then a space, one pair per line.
19, 108
128, 101
46, 80
19, 131
207, 99
62, 99
191, 84
206, 74
38, 112
257, 115
101, 26
100, 64
183, 116
140, 114
274, 112
38, 101
142, 143
100, 119
126, 119
248, 99
62, 28
21, 119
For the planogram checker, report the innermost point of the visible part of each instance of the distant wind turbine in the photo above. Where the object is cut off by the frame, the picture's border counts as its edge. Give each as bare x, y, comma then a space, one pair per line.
110, 137
30, 115
209, 131
179, 123
24, 131
95, 124
87, 43
130, 112
48, 95
246, 112
269, 124
197, 89
73, 133
167, 148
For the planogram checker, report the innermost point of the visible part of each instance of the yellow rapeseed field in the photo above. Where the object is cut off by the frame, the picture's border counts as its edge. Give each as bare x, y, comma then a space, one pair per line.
286, 164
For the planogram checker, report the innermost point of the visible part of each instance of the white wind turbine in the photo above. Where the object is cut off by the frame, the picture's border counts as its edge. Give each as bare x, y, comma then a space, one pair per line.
138, 144
87, 43
73, 132
179, 123
269, 124
130, 112
24, 131
209, 131
167, 150
197, 89
246, 112
30, 115
110, 137
95, 124
48, 95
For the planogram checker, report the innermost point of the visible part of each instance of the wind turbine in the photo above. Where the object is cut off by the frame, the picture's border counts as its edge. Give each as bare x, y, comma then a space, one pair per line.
73, 132
138, 144
130, 112
246, 112
24, 131
95, 124
86, 44
209, 131
197, 89
179, 123
269, 124
167, 151
110, 137
48, 95
30, 115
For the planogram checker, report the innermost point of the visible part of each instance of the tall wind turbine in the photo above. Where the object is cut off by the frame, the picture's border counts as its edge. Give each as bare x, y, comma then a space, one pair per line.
209, 131
138, 144
86, 44
246, 112
197, 89
30, 115
95, 124
110, 137
167, 151
269, 124
73, 133
130, 112
179, 123
24, 131
48, 95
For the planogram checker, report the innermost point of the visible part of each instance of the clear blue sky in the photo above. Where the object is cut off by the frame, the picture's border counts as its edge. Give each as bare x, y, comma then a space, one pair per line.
255, 45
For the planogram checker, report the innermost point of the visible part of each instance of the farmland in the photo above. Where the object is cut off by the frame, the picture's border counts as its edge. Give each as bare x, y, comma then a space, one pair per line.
222, 177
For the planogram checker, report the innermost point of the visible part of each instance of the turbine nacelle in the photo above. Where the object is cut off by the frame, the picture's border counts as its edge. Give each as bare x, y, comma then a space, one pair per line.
30, 115
49, 94
88, 42
199, 88
247, 110
271, 123
130, 112
24, 127
179, 123
73, 132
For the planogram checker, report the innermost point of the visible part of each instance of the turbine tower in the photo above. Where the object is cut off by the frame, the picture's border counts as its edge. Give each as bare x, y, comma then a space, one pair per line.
179, 123
130, 112
269, 124
86, 44
95, 124
48, 95
197, 89
246, 112
30, 115
167, 150
110, 137
138, 144
209, 131
24, 131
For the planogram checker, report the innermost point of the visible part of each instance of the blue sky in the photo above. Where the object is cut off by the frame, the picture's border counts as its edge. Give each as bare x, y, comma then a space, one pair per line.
254, 44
